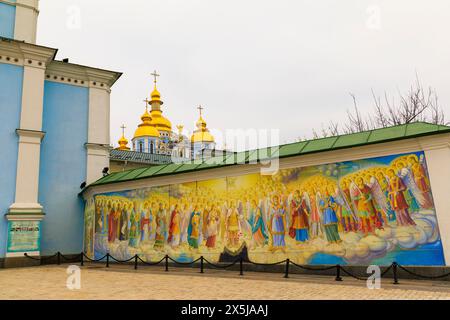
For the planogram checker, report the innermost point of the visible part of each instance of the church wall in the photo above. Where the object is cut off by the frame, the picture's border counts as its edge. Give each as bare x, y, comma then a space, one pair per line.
7, 20
11, 78
426, 243
63, 166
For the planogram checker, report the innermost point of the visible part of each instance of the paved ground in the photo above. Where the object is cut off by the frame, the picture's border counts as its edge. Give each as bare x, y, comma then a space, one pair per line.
123, 282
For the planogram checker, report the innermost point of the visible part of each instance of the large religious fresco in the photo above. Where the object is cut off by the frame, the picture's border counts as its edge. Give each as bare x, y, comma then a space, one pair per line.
372, 211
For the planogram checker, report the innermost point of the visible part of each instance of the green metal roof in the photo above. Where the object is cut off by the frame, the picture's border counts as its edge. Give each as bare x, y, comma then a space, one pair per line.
288, 150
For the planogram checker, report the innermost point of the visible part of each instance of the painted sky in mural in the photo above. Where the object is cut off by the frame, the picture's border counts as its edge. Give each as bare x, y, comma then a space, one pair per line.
372, 211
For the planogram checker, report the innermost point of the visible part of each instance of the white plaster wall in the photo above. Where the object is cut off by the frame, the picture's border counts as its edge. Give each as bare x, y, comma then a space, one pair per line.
98, 133
99, 114
97, 159
438, 161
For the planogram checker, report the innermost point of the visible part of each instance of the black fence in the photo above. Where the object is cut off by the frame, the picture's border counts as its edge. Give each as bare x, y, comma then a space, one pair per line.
339, 270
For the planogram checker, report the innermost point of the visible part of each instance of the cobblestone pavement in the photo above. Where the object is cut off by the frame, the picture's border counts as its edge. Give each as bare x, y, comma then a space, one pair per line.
123, 282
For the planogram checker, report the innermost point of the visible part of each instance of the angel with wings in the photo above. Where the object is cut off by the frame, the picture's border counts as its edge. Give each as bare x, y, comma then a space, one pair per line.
345, 212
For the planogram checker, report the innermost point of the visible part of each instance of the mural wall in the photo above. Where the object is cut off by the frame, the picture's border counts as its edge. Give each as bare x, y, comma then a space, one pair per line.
372, 211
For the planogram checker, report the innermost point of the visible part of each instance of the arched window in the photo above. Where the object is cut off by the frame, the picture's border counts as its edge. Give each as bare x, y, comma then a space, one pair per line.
141, 146
151, 147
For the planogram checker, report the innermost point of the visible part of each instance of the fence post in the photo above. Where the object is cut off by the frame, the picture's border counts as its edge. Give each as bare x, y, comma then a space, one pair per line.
201, 264
82, 259
107, 260
338, 273
241, 271
59, 257
167, 263
286, 271
394, 268
135, 262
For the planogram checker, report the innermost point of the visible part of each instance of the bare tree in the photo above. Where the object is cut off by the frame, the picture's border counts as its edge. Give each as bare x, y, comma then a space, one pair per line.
415, 105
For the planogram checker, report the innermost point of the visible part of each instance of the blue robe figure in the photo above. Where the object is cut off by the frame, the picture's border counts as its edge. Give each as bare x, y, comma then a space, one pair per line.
194, 234
330, 220
258, 227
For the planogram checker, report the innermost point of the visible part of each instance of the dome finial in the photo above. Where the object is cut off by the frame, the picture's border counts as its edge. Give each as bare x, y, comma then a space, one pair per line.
155, 95
146, 104
123, 142
200, 109
155, 75
202, 133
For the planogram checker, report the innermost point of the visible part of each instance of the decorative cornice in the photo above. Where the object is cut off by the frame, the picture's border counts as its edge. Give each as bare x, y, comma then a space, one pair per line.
81, 75
25, 54
25, 216
23, 5
97, 146
30, 133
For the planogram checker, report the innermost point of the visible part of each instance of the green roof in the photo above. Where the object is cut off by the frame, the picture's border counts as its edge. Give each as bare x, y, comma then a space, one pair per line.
393, 133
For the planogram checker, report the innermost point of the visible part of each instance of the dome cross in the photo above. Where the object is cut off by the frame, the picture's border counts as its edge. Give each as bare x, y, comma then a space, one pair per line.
155, 75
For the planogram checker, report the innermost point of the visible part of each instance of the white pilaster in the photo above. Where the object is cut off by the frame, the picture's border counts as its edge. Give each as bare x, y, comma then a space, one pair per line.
438, 162
98, 132
30, 136
25, 28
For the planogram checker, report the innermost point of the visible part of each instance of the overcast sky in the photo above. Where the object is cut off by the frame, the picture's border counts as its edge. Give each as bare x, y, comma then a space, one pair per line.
287, 65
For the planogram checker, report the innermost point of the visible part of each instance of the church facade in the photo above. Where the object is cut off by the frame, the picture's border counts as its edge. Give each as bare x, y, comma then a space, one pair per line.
44, 101
372, 197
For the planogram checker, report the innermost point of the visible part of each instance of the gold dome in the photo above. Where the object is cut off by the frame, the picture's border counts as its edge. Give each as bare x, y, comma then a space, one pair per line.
202, 136
202, 133
159, 121
123, 142
146, 129
156, 96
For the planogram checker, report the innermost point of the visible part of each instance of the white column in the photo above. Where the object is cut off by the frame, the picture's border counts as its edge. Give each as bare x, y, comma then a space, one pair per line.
30, 136
25, 28
438, 162
98, 132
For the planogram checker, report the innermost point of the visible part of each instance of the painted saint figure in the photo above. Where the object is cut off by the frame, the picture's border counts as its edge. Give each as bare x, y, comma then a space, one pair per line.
256, 221
134, 228
277, 227
232, 225
330, 220
174, 228
300, 224
184, 224
194, 228
398, 200
160, 228
212, 227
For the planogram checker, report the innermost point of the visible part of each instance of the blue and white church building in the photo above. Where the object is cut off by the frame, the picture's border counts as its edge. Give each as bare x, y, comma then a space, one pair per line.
44, 101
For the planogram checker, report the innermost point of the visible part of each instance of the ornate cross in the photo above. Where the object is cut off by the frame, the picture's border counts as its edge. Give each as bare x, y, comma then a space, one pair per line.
146, 104
200, 108
123, 129
155, 75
